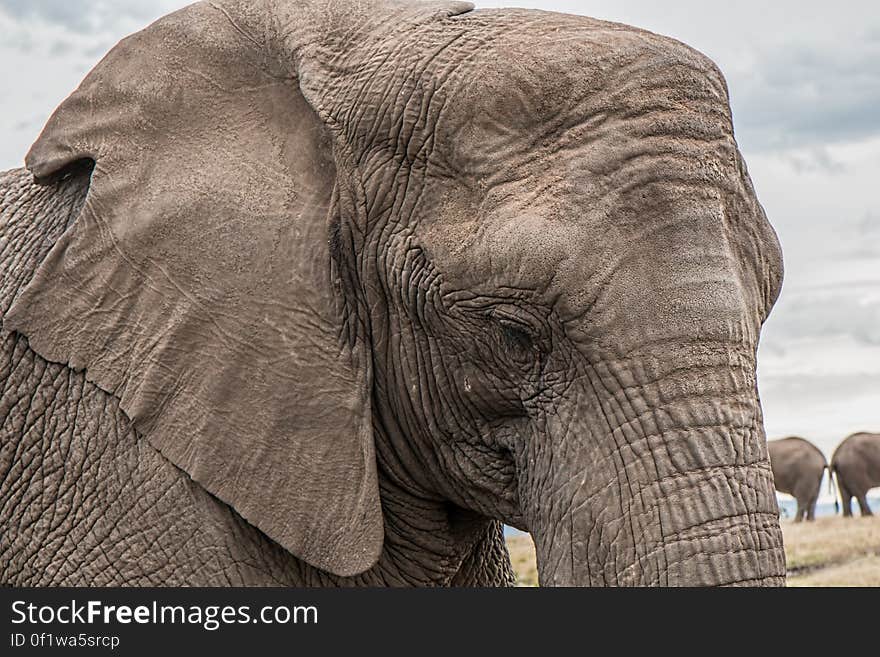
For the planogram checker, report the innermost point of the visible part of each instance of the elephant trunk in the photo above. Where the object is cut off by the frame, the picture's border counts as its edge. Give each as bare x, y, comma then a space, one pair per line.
666, 482
687, 539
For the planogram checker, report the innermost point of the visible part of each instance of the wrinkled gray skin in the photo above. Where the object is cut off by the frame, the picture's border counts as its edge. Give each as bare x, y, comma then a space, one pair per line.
856, 464
85, 502
798, 466
554, 256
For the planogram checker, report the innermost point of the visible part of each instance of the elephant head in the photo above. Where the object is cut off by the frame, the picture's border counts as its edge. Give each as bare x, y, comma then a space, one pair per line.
508, 260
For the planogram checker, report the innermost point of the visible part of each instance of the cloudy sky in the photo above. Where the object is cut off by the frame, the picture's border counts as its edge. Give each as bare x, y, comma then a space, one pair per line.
804, 78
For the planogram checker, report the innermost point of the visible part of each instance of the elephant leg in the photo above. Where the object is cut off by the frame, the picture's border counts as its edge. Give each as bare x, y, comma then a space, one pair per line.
863, 504
799, 513
811, 508
845, 499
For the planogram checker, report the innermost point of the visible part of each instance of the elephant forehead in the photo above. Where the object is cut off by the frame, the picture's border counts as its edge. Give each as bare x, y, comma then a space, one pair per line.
538, 80
547, 242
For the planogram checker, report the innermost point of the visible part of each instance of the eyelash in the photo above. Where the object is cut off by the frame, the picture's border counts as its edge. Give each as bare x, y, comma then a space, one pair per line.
520, 341
517, 335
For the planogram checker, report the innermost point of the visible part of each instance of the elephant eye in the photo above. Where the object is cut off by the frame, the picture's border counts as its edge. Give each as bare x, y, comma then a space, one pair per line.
516, 336
517, 332
519, 341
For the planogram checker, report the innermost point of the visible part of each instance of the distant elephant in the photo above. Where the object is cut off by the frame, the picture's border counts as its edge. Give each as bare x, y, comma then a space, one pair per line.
323, 292
856, 465
798, 466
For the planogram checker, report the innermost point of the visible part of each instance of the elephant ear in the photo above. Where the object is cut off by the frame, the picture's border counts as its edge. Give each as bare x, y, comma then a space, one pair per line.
198, 284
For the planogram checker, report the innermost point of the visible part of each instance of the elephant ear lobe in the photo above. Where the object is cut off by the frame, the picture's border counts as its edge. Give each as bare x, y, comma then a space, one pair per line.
197, 284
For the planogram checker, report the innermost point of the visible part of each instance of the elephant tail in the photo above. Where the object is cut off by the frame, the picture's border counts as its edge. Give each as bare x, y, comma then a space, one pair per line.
832, 488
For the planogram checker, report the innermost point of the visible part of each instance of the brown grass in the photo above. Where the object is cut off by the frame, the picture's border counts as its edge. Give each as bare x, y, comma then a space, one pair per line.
522, 556
833, 552
827, 552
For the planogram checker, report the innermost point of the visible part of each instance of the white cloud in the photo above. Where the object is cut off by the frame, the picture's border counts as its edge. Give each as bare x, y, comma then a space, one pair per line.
84, 16
813, 93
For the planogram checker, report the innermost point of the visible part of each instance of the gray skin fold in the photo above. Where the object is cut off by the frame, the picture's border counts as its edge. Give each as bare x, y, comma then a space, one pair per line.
378, 276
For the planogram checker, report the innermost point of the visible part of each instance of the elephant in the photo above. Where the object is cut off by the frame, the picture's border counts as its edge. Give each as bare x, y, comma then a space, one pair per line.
798, 467
856, 465
312, 292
